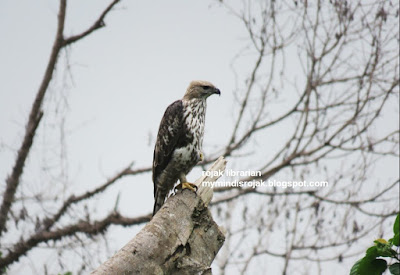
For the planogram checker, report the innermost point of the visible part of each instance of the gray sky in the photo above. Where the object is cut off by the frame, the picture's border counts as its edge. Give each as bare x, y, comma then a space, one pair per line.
121, 79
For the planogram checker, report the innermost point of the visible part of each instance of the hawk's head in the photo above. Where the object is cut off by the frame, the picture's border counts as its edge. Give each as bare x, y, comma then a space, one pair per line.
200, 89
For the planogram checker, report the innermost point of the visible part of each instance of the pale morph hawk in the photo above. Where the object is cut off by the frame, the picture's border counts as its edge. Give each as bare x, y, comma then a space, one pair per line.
179, 140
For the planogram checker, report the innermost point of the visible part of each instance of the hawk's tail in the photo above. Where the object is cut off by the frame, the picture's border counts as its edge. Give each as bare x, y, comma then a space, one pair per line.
159, 199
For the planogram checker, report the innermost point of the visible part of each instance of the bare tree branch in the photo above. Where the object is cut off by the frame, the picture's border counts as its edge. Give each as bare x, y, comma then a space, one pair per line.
98, 227
49, 222
35, 116
36, 113
99, 23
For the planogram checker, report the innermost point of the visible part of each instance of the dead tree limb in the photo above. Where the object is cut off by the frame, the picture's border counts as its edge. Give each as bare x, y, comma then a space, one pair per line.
181, 239
36, 112
35, 116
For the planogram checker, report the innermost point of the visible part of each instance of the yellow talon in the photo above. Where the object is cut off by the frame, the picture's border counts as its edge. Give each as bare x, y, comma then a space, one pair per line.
187, 185
201, 156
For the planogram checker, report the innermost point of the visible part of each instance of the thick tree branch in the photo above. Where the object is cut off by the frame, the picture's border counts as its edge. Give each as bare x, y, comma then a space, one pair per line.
182, 238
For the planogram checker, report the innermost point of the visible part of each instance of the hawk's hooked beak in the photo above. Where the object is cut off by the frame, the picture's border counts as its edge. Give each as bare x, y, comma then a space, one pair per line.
217, 91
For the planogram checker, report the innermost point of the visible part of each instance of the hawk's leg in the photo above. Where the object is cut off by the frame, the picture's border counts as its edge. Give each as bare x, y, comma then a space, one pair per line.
185, 184
201, 156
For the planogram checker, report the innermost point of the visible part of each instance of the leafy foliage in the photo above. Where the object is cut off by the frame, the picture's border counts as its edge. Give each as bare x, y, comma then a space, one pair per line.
371, 264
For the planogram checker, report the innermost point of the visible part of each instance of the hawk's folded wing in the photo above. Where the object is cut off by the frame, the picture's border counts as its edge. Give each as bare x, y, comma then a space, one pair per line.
169, 134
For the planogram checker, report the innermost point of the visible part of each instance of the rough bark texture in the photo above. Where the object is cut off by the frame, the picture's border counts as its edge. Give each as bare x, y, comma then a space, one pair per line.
182, 238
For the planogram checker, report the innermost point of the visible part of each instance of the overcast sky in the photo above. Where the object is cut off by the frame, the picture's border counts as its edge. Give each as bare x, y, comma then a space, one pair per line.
111, 99
121, 79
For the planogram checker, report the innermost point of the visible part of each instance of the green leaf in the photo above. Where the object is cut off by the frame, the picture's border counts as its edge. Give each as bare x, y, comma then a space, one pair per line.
356, 266
396, 240
374, 267
368, 266
386, 251
396, 227
383, 249
372, 252
395, 269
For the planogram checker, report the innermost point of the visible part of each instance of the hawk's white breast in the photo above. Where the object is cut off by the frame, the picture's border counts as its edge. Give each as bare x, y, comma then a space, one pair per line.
194, 118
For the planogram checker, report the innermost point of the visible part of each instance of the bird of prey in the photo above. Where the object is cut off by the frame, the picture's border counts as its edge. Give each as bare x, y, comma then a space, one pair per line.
179, 140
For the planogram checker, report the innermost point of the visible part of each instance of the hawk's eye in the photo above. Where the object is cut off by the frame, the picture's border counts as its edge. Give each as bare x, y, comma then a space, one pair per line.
206, 87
